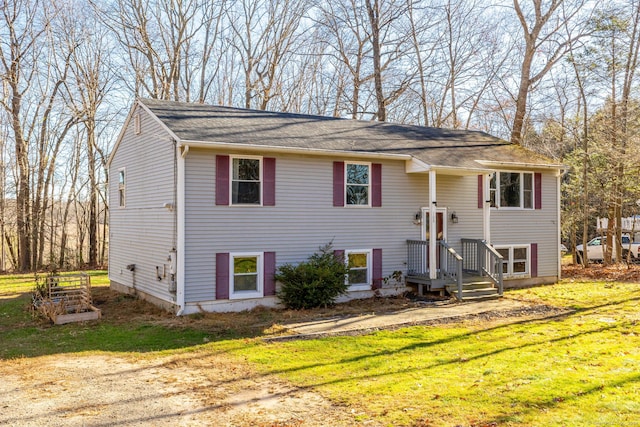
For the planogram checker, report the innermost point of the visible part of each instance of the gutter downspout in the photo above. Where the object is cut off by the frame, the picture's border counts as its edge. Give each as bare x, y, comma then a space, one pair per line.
180, 212
558, 208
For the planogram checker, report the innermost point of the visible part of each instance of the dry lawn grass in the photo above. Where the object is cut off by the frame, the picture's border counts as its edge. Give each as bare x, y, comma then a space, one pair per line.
190, 386
123, 309
194, 386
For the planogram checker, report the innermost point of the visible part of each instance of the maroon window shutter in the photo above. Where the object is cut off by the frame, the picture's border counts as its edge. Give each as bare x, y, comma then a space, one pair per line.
377, 268
480, 192
339, 253
376, 185
338, 183
222, 275
269, 273
534, 260
222, 180
269, 176
538, 190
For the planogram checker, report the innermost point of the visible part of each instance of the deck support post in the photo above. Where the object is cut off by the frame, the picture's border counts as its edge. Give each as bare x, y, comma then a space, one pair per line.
433, 226
486, 209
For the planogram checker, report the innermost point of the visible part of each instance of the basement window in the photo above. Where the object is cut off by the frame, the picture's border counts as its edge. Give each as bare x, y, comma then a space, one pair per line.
359, 265
246, 278
515, 260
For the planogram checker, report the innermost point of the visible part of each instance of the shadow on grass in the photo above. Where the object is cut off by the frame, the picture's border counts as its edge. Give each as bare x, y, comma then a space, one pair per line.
426, 345
127, 325
132, 325
571, 400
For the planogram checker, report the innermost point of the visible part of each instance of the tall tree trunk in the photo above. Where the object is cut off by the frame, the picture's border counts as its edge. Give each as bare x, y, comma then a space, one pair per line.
552, 43
420, 64
93, 194
521, 101
24, 194
373, 10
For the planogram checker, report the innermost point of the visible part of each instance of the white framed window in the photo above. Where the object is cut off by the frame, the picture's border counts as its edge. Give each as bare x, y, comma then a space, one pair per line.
246, 180
359, 265
122, 184
246, 275
357, 184
516, 260
511, 190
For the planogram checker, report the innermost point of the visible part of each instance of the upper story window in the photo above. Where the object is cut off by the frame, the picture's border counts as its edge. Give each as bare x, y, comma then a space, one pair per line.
121, 188
512, 190
246, 180
357, 184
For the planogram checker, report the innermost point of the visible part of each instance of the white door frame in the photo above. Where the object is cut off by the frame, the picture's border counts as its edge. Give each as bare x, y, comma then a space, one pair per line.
423, 232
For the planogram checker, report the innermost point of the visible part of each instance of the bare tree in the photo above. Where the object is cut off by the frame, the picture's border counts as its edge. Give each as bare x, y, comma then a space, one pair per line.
32, 80
155, 35
201, 62
545, 31
389, 44
264, 32
92, 80
618, 43
344, 32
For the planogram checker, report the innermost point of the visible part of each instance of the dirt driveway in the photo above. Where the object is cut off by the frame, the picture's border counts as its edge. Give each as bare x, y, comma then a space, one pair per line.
181, 390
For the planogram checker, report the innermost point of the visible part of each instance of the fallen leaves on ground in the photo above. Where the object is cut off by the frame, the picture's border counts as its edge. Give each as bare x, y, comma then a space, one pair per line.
613, 273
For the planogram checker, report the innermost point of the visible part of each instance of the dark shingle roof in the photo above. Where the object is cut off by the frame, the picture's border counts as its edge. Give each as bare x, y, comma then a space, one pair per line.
434, 146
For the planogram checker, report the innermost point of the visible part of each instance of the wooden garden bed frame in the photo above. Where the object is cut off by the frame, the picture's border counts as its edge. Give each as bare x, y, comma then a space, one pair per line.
68, 299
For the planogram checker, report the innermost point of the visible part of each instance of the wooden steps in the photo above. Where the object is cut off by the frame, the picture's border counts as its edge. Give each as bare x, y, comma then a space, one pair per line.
475, 290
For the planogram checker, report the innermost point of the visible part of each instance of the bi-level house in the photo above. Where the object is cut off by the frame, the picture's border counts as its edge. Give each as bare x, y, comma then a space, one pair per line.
207, 201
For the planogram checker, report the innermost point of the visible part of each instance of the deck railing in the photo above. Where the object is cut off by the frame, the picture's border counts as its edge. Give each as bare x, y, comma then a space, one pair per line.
417, 258
477, 258
448, 261
450, 266
483, 260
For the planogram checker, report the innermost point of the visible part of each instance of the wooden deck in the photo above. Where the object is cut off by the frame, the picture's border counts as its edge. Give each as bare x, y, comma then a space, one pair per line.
474, 274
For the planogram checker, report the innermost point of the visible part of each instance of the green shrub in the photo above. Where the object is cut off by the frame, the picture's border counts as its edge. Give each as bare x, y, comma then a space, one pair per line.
316, 282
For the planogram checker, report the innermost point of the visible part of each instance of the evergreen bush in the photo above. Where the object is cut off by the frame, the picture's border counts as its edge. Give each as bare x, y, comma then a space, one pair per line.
316, 282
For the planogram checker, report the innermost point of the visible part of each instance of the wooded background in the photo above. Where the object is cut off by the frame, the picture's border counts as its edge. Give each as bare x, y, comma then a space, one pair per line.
556, 76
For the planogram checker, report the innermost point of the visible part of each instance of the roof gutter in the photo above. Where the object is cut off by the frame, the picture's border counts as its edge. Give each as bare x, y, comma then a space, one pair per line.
452, 170
522, 165
296, 150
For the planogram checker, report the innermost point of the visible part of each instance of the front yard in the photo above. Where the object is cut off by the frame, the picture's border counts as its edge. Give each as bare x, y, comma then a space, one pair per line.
576, 369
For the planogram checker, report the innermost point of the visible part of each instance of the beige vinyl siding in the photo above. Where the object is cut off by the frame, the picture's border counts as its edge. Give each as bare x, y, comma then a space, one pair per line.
460, 194
511, 227
303, 219
142, 233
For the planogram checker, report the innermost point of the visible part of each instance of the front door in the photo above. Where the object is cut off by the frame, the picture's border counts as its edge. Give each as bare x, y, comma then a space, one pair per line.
440, 223
441, 230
